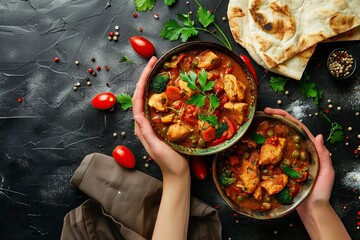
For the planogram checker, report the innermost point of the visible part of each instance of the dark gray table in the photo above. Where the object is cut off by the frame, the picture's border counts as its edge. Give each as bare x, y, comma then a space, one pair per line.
46, 135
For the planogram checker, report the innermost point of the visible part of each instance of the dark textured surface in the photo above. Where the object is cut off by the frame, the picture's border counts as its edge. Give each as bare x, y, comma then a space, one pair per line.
44, 137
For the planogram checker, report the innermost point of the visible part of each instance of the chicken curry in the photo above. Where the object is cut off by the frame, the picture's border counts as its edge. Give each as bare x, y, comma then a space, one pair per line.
199, 99
266, 168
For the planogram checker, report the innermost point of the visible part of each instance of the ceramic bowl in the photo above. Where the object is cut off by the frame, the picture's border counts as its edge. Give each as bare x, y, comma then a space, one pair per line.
195, 45
341, 63
298, 199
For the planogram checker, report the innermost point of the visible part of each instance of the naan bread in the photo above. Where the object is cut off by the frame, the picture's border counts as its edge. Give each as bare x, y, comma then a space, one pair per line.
280, 29
238, 16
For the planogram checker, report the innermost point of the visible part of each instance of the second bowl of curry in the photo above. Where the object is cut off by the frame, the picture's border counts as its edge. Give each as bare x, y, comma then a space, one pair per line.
200, 98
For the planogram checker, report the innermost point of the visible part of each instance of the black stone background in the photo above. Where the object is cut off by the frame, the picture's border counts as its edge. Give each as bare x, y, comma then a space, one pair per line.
44, 138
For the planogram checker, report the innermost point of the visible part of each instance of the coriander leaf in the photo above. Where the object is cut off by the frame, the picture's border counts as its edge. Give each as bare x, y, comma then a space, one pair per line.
144, 5
205, 17
125, 101
277, 84
284, 196
212, 119
126, 59
185, 19
198, 100
309, 90
258, 138
222, 127
189, 78
169, 2
291, 172
172, 30
202, 78
337, 136
214, 102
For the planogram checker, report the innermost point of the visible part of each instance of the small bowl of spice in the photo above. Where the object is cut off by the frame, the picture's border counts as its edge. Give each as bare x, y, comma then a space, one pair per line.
341, 64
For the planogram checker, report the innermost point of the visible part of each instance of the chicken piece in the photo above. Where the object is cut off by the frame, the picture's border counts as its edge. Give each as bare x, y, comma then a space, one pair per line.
258, 193
272, 150
249, 173
178, 132
186, 90
167, 119
237, 111
234, 88
275, 184
208, 60
158, 101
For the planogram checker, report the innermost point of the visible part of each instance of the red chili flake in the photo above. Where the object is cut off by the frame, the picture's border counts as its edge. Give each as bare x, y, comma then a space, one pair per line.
358, 223
356, 151
216, 206
235, 214
156, 16
359, 213
211, 11
140, 29
56, 59
106, 68
347, 137
326, 110
90, 70
98, 68
135, 15
19, 99
111, 34
345, 205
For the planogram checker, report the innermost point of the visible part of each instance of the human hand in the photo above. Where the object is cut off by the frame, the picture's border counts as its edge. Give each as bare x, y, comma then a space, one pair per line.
169, 161
325, 180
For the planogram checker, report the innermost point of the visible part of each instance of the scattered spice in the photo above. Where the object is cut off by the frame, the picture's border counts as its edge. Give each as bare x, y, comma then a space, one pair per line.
156, 16
111, 34
341, 63
106, 68
90, 70
140, 29
135, 15
93, 59
98, 68
117, 27
56, 59
77, 62
19, 99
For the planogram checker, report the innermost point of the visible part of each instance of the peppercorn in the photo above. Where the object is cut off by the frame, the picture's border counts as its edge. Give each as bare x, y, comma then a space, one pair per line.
341, 63
56, 59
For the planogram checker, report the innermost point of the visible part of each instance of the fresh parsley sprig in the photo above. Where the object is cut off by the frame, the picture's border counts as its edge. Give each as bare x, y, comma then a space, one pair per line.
172, 30
336, 131
199, 99
126, 59
125, 100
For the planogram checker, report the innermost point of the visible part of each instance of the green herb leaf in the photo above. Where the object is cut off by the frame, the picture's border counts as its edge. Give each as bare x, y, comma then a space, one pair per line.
126, 59
189, 78
309, 90
125, 101
205, 17
222, 127
212, 119
258, 138
172, 30
198, 100
169, 2
284, 196
214, 102
144, 5
291, 172
277, 84
226, 178
337, 136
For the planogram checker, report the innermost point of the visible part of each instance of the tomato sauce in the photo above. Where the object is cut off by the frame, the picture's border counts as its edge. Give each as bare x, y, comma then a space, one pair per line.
178, 120
259, 185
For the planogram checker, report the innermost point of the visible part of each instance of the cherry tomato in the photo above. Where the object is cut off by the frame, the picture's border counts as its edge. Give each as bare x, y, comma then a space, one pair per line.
142, 46
124, 156
104, 100
251, 67
198, 167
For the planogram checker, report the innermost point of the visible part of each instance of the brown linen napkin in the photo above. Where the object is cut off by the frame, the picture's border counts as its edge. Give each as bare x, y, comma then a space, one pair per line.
124, 203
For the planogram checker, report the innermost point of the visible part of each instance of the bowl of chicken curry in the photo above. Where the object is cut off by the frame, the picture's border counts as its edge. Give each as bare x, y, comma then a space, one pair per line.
200, 98
269, 171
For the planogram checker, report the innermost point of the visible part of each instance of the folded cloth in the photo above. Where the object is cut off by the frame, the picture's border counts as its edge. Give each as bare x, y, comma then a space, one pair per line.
123, 204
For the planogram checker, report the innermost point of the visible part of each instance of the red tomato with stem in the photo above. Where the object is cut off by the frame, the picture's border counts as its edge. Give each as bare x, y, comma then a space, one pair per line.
104, 100
142, 46
124, 156
198, 167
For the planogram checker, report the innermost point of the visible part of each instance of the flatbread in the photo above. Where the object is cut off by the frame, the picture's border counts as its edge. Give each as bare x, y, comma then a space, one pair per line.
280, 29
239, 17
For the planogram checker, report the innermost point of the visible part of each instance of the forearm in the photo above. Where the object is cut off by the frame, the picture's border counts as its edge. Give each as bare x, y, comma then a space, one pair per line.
322, 222
173, 216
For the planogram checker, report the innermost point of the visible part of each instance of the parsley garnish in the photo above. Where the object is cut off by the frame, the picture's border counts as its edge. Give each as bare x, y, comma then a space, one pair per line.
169, 2
222, 127
126, 59
258, 138
172, 30
144, 5
125, 101
309, 90
291, 172
199, 99
277, 84
336, 131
